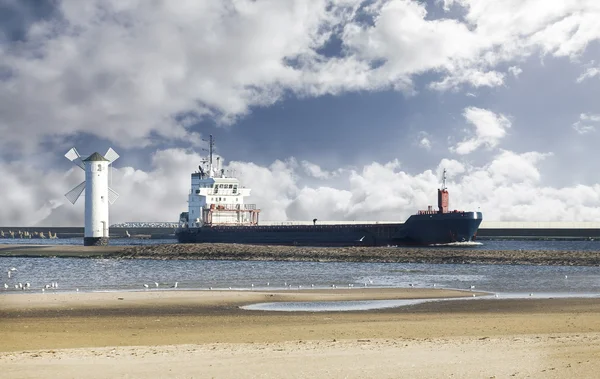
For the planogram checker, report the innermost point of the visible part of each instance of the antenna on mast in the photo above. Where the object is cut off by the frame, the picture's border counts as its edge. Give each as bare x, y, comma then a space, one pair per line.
211, 144
444, 180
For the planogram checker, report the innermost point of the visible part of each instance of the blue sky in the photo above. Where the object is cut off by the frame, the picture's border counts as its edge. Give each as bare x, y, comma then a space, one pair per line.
336, 109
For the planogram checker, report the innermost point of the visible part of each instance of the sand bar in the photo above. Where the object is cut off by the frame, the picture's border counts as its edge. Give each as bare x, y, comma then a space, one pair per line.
205, 334
314, 254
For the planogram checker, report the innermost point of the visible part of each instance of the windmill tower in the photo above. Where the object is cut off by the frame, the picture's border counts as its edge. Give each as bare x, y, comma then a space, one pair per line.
97, 194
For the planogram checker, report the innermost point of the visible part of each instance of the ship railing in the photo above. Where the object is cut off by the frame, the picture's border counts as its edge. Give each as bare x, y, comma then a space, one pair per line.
436, 212
233, 207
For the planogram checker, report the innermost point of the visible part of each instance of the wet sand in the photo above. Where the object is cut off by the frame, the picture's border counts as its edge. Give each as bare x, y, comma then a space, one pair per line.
176, 334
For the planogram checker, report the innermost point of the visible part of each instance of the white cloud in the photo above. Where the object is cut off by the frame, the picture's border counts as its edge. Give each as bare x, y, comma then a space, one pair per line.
425, 143
127, 70
131, 71
489, 127
453, 168
515, 71
586, 122
589, 73
424, 140
316, 171
590, 117
473, 77
374, 192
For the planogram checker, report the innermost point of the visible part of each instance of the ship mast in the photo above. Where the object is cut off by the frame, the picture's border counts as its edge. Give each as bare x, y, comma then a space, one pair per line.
444, 180
211, 143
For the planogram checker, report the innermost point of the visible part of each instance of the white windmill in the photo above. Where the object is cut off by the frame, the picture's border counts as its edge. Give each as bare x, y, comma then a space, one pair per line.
97, 194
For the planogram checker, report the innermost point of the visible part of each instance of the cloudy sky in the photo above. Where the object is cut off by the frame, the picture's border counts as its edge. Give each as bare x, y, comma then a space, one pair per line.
335, 109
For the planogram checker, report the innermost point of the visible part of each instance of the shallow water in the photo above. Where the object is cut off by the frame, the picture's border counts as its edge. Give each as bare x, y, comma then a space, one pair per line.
364, 305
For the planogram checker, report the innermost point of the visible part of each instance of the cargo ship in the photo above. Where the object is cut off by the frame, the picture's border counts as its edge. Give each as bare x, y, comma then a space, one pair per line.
217, 213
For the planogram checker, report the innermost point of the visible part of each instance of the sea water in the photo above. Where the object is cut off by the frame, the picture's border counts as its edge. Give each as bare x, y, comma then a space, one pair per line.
504, 281
119, 274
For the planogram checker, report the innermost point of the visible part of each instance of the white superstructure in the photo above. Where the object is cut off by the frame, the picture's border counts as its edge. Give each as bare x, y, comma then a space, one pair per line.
216, 199
98, 195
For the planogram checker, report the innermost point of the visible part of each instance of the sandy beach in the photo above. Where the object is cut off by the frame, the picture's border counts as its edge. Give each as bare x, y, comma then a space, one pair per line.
198, 334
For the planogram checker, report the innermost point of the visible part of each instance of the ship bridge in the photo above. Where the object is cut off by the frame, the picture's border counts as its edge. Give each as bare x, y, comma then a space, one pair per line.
216, 199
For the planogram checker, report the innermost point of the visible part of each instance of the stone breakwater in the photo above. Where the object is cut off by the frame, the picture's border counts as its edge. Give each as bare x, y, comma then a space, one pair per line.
454, 255
359, 254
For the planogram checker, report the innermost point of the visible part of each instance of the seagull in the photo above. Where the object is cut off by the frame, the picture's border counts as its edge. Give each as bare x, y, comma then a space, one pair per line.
472, 288
13, 269
565, 277
267, 283
5, 286
8, 274
361, 239
496, 295
27, 285
175, 285
145, 285
156, 284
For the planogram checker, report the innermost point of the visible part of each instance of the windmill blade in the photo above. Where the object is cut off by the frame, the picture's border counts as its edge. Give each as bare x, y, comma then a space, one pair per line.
112, 195
73, 156
111, 155
74, 194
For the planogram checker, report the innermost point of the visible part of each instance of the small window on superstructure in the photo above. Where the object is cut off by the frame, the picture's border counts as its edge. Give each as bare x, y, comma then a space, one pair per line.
231, 186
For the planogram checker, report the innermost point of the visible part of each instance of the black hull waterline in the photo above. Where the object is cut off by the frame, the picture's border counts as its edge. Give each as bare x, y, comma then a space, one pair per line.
421, 229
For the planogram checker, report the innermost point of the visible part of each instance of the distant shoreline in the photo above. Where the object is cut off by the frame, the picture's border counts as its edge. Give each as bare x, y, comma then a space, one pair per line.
435, 255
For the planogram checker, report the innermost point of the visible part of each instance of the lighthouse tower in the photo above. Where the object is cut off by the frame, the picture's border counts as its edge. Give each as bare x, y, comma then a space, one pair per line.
98, 195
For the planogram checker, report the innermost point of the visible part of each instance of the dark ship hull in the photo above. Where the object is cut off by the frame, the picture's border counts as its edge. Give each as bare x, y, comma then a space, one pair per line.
420, 229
